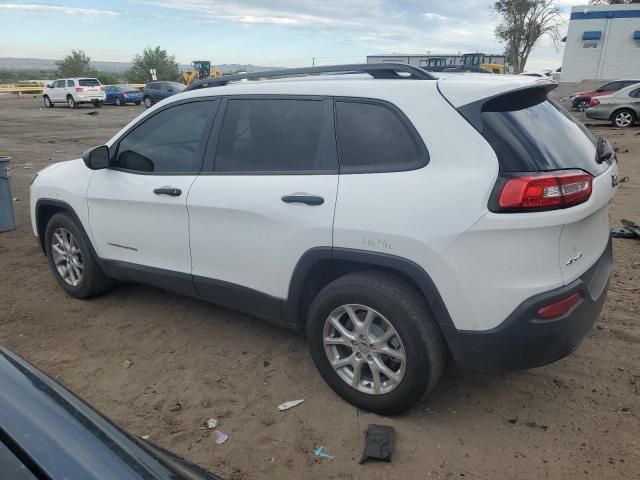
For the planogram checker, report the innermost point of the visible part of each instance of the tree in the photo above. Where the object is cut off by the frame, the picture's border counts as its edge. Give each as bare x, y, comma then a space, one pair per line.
523, 23
165, 65
75, 65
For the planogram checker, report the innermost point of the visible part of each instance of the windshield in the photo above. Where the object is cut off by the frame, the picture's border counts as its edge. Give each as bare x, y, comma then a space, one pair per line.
89, 82
178, 87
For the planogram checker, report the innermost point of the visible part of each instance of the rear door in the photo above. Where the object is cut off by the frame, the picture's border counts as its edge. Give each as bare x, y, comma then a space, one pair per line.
267, 197
138, 207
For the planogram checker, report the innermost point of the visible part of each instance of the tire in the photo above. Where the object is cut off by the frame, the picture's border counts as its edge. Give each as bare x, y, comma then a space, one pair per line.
97, 104
583, 104
47, 102
138, 102
147, 102
91, 281
118, 101
416, 335
623, 118
71, 102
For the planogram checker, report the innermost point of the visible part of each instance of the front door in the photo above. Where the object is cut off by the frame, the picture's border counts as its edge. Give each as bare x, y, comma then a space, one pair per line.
138, 207
268, 198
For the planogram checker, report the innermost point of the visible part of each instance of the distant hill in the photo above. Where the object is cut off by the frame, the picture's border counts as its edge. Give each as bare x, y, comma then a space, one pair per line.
49, 64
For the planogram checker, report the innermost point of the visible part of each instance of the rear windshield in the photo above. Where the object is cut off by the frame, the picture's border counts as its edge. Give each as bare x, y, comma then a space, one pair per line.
530, 133
89, 82
178, 87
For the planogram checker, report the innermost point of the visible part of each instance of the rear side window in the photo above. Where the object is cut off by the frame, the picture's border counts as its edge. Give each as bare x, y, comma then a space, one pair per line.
276, 136
374, 137
530, 133
168, 142
89, 82
70, 83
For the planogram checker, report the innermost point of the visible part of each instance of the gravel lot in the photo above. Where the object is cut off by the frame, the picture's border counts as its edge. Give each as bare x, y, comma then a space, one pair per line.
160, 364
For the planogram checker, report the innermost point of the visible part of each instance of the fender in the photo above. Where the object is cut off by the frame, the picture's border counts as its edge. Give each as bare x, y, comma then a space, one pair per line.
64, 206
366, 258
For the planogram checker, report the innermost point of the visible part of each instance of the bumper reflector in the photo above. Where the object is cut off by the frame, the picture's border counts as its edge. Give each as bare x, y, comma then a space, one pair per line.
559, 307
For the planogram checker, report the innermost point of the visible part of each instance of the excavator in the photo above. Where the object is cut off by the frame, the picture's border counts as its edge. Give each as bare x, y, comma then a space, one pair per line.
201, 70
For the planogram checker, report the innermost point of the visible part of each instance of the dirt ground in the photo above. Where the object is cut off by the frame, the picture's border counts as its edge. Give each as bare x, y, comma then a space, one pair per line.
160, 364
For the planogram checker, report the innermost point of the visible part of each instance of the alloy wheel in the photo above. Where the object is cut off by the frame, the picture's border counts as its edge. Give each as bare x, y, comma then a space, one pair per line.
364, 349
583, 105
624, 119
67, 257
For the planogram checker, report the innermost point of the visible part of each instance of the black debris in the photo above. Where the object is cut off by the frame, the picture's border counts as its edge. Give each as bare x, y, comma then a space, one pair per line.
537, 425
92, 113
512, 420
378, 443
629, 230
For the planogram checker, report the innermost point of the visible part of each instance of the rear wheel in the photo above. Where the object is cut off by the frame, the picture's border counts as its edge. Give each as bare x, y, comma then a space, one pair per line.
583, 104
138, 102
623, 118
374, 342
71, 260
147, 102
71, 102
47, 102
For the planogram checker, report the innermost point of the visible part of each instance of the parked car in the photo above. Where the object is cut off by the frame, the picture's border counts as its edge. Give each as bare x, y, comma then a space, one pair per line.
582, 100
537, 74
73, 92
49, 433
622, 108
229, 192
156, 91
121, 94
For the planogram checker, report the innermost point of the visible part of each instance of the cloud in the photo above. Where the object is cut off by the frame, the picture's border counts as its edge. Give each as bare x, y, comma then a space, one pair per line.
435, 16
58, 9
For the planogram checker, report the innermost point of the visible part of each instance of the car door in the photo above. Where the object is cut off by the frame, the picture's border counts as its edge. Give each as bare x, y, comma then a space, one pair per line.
634, 98
138, 206
57, 92
109, 94
266, 196
70, 89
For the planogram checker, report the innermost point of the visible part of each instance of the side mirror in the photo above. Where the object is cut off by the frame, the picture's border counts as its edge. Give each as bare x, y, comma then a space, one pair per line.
50, 85
97, 158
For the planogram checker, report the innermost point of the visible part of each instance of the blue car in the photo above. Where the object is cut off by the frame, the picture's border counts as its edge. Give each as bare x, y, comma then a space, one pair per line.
121, 94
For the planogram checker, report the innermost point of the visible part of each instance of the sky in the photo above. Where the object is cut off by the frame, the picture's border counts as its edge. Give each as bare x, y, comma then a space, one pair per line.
283, 33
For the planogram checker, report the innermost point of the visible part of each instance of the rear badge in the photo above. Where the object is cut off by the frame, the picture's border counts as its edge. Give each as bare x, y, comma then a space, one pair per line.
573, 260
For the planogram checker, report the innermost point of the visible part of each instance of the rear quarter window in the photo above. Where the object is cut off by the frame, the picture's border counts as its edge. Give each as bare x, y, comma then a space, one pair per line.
376, 137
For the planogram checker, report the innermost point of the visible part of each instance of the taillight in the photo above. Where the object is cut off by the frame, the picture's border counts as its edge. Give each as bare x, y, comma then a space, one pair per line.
545, 190
594, 102
79, 89
558, 308
102, 87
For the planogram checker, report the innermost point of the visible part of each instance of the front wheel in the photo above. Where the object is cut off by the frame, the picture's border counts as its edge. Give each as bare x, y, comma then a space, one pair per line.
71, 260
97, 104
374, 342
118, 101
71, 102
47, 102
583, 104
623, 119
138, 102
147, 102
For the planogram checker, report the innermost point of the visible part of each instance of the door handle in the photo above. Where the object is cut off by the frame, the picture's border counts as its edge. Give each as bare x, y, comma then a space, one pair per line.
306, 199
172, 192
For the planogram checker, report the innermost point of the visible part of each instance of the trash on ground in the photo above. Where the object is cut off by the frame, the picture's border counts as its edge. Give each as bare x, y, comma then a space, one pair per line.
219, 437
176, 407
378, 443
92, 113
537, 425
629, 230
322, 453
212, 423
127, 363
290, 404
512, 420
145, 437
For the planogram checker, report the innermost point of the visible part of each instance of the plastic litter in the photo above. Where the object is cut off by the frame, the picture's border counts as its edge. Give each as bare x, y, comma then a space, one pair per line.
378, 443
212, 423
322, 453
289, 404
629, 230
219, 437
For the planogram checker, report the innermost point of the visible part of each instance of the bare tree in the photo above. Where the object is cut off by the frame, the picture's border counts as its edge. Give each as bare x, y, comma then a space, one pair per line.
522, 24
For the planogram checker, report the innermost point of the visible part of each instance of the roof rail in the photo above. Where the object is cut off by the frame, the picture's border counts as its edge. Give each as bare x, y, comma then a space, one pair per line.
376, 70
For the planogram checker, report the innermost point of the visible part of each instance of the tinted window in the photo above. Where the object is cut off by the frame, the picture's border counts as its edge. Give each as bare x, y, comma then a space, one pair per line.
635, 93
153, 86
167, 142
89, 82
11, 468
264, 135
175, 86
373, 137
70, 83
530, 133
58, 84
611, 87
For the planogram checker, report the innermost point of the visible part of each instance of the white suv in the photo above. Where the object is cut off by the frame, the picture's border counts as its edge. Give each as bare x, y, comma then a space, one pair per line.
74, 91
396, 218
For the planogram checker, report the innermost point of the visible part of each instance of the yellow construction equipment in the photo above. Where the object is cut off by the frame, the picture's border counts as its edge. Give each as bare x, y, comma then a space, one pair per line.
493, 67
202, 69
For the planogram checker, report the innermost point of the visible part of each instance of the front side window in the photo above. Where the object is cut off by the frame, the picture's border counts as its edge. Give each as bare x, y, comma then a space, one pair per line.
168, 141
275, 135
373, 138
154, 86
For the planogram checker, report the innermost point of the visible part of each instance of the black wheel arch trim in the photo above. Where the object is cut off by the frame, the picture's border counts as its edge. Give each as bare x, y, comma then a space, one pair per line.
401, 265
64, 206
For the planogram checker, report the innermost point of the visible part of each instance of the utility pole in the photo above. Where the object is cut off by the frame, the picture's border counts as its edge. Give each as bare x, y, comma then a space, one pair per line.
313, 61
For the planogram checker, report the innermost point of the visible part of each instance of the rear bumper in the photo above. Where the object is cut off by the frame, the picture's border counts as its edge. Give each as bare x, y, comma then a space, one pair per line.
524, 341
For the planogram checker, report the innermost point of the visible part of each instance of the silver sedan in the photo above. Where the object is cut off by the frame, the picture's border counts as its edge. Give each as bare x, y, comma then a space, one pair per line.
622, 108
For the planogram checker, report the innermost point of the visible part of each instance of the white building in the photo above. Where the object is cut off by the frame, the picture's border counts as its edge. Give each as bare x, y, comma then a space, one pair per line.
603, 42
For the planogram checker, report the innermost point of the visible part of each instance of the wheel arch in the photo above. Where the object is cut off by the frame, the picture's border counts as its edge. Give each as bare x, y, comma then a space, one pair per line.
623, 109
45, 209
320, 266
